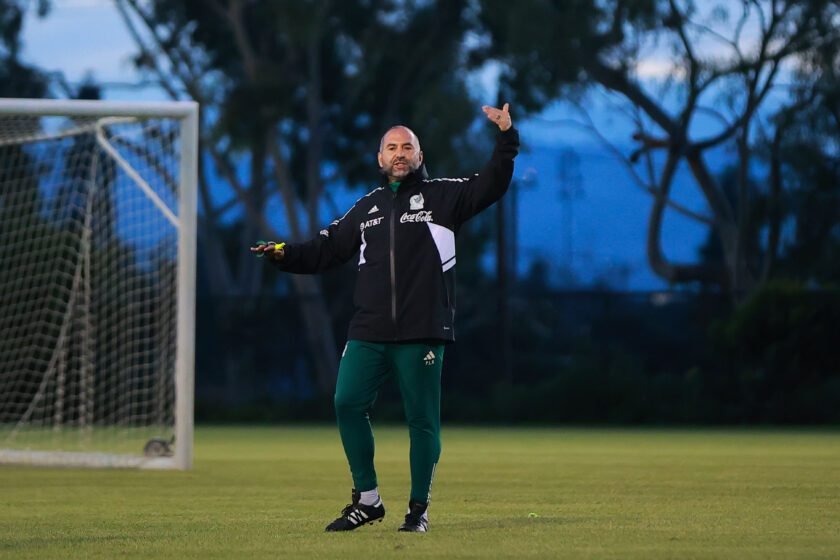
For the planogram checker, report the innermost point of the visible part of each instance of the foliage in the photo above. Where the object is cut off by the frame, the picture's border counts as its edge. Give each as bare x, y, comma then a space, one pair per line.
578, 357
783, 353
722, 62
16, 78
807, 154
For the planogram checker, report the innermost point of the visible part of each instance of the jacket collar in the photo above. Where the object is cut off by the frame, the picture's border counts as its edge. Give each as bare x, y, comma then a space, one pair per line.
411, 178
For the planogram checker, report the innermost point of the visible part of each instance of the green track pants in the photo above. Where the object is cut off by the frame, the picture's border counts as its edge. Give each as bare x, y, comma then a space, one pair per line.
365, 366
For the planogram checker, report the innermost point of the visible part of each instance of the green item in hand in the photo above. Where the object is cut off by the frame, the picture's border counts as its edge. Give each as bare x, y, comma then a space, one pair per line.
261, 254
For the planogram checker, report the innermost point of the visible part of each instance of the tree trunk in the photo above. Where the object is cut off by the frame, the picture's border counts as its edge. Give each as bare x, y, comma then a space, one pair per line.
672, 272
318, 328
726, 226
315, 148
743, 280
317, 322
250, 270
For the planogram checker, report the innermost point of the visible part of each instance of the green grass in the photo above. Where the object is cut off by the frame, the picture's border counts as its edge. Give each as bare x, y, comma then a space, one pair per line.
268, 492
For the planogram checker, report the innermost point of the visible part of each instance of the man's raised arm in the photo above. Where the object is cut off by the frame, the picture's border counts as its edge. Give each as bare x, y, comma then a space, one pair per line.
488, 186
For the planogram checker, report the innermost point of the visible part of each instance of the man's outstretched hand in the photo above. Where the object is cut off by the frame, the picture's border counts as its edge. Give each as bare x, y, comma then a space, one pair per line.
270, 249
500, 117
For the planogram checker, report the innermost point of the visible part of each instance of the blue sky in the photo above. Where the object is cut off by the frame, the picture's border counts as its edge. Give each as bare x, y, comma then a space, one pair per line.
609, 218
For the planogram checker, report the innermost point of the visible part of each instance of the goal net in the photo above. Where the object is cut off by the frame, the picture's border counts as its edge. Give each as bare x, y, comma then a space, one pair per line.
97, 268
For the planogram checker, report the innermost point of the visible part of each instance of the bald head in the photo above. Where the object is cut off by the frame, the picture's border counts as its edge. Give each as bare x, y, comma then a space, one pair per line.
400, 131
399, 153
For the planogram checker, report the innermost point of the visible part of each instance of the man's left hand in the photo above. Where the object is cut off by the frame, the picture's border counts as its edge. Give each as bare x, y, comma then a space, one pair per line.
501, 117
274, 251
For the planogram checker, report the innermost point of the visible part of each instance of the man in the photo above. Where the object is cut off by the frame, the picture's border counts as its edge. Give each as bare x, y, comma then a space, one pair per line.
404, 234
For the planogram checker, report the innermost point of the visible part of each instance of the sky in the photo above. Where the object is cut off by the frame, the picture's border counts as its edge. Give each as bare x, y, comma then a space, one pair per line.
597, 235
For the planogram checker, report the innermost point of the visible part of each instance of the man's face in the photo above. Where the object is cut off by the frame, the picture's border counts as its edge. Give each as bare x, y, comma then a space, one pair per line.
399, 153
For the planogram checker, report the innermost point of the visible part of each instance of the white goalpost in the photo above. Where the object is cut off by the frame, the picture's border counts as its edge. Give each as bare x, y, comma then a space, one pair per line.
97, 282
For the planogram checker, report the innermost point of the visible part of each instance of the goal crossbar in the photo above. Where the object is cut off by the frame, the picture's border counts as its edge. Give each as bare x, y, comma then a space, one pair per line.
89, 108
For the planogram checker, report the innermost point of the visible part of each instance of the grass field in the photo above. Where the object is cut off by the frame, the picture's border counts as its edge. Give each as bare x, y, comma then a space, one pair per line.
267, 492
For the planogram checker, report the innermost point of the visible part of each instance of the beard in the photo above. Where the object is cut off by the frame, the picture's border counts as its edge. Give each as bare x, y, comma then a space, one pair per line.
401, 172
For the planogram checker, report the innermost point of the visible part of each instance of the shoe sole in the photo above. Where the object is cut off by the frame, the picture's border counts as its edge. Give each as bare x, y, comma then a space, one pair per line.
401, 530
380, 520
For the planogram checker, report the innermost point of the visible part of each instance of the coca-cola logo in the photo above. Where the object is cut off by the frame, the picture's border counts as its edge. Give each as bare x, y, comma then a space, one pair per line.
422, 216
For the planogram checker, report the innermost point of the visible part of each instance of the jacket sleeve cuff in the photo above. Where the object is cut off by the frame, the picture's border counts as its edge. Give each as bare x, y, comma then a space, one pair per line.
507, 142
509, 134
290, 253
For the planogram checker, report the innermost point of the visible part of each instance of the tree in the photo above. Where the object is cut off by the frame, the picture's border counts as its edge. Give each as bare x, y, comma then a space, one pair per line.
725, 63
804, 156
18, 79
299, 92
22, 201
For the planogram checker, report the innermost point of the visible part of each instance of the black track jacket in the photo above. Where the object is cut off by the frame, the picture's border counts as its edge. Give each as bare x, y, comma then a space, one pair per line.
405, 288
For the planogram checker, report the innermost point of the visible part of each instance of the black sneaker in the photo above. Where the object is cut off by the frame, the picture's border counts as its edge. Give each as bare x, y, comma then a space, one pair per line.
354, 515
416, 520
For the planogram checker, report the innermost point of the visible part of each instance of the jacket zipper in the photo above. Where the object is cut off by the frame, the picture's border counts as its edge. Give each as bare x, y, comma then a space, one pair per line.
393, 269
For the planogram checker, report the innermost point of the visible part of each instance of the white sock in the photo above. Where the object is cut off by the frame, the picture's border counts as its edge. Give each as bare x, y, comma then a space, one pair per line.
370, 497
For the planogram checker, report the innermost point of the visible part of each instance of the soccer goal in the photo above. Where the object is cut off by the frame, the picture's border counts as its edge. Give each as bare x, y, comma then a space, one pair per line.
97, 282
